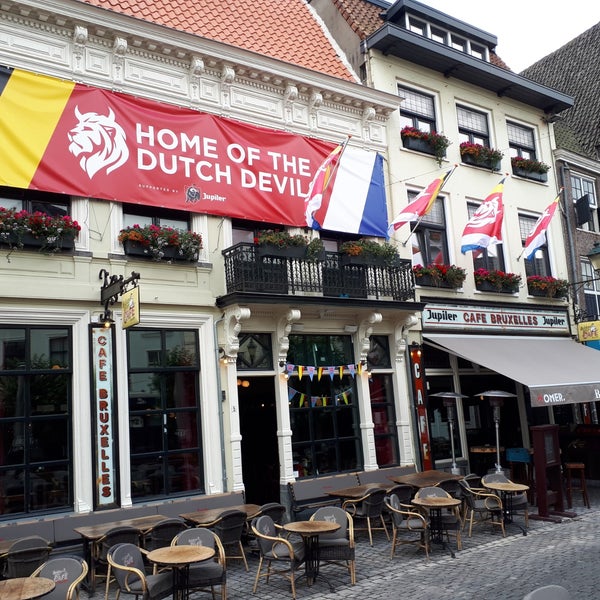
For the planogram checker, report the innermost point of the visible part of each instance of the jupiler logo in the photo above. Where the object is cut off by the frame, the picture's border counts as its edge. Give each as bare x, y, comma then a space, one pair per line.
100, 142
192, 194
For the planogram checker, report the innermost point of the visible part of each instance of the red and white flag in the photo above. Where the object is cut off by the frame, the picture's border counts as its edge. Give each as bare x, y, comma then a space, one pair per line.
421, 205
537, 235
485, 226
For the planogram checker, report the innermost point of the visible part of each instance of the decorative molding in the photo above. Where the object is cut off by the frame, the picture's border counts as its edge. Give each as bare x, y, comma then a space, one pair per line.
400, 333
119, 51
365, 330
284, 326
232, 325
80, 38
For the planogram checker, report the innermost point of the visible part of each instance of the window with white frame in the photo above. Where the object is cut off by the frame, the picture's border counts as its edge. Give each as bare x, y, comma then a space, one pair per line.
458, 43
472, 126
591, 290
540, 263
521, 141
417, 110
134, 214
583, 186
490, 258
429, 240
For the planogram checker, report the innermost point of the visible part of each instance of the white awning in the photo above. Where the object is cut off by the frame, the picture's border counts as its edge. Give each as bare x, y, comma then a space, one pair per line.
556, 370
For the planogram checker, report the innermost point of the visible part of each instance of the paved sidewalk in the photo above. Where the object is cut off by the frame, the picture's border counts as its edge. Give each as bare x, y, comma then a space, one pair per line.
489, 567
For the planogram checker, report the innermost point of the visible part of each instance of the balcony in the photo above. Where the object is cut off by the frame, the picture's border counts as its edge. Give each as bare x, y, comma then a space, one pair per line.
249, 269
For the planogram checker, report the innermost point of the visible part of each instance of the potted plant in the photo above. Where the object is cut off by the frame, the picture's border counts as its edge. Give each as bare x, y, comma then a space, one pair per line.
447, 276
480, 156
279, 242
550, 287
368, 252
496, 281
161, 243
529, 168
429, 142
315, 249
19, 229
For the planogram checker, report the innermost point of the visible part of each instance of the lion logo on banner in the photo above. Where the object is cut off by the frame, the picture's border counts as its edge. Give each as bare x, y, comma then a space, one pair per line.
100, 141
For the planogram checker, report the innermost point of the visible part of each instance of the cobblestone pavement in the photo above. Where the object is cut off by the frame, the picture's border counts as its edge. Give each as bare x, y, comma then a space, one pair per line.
489, 567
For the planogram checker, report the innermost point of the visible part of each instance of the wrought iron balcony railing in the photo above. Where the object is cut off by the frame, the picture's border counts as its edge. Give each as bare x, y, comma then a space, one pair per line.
287, 271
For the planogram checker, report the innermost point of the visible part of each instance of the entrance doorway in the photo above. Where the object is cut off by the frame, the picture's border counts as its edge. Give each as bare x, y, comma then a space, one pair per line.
258, 426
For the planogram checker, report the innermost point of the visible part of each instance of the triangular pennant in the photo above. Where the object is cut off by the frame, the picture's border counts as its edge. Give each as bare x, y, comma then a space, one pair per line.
331, 371
341, 369
300, 370
311, 371
319, 373
352, 369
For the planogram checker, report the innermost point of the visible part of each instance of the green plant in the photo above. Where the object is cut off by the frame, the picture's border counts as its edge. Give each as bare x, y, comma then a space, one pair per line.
370, 248
437, 141
51, 230
499, 279
155, 239
450, 274
315, 249
480, 153
550, 286
280, 238
529, 165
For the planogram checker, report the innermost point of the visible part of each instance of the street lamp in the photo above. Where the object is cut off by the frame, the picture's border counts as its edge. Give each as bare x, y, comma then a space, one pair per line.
449, 399
496, 401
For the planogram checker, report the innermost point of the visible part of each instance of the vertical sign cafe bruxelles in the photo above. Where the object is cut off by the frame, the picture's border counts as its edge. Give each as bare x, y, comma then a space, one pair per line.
102, 414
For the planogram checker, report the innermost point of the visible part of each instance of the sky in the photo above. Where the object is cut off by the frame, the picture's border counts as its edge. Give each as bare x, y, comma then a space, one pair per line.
527, 30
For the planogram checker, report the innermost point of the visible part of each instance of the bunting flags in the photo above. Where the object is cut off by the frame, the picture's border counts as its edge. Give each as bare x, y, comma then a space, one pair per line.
304, 401
485, 226
537, 235
421, 205
347, 193
332, 370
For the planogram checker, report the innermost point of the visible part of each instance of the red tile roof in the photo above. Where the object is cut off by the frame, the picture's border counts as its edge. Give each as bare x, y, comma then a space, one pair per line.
282, 29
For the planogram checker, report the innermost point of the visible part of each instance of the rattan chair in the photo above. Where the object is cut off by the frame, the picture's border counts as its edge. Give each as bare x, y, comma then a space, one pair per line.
230, 527
370, 506
207, 574
407, 522
67, 572
451, 521
162, 533
25, 555
482, 506
517, 503
337, 547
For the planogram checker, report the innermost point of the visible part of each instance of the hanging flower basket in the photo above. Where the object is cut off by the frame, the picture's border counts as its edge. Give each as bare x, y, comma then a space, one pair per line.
529, 169
161, 243
548, 287
444, 276
427, 142
368, 252
496, 281
480, 156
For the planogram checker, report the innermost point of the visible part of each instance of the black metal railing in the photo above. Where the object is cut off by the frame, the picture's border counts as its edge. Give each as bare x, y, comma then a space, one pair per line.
250, 268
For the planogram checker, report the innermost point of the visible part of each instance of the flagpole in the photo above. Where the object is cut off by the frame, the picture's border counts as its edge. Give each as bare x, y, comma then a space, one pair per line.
560, 191
421, 217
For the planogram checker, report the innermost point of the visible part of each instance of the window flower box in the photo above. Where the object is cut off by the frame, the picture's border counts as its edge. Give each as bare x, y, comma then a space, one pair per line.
161, 243
529, 169
480, 156
442, 276
368, 252
496, 281
548, 287
427, 142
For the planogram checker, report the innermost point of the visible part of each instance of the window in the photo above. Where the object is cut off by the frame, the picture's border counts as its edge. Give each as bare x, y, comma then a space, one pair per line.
478, 51
150, 215
489, 258
521, 141
438, 35
255, 352
164, 418
57, 205
591, 291
323, 411
540, 264
417, 110
458, 43
35, 420
581, 186
429, 242
417, 26
472, 126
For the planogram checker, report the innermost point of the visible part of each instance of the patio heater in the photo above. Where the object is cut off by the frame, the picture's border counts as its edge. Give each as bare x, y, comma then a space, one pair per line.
496, 401
449, 399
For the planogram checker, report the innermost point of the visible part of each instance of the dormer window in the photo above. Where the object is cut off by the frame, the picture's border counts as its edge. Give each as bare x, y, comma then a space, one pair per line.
478, 51
417, 26
438, 35
458, 43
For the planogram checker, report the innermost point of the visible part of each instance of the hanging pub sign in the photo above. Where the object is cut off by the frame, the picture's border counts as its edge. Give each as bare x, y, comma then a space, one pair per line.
66, 137
588, 331
130, 307
103, 409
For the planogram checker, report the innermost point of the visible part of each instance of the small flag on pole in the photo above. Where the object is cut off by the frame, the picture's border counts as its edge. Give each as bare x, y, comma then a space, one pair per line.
537, 236
485, 226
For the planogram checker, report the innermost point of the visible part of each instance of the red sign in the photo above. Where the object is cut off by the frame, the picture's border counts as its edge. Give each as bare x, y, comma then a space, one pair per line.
96, 143
421, 409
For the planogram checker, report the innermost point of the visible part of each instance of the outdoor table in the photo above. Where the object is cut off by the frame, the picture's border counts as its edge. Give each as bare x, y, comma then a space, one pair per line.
435, 505
425, 478
507, 489
92, 533
358, 491
205, 518
25, 588
179, 558
310, 531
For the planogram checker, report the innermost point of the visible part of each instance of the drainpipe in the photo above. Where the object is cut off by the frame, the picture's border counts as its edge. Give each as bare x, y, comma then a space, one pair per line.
221, 398
564, 174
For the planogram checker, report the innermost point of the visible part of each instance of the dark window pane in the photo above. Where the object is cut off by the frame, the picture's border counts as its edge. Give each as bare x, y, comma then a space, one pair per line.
181, 349
12, 396
144, 349
181, 389
49, 394
12, 354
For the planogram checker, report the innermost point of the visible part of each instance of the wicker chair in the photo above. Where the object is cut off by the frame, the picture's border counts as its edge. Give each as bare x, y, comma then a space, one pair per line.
337, 547
162, 533
25, 555
482, 506
370, 506
406, 521
229, 527
68, 571
516, 502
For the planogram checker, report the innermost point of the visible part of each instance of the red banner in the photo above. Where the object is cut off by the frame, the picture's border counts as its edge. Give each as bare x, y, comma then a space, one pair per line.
74, 139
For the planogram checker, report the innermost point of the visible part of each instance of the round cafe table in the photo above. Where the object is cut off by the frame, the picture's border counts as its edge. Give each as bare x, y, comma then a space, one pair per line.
25, 588
179, 558
310, 531
506, 490
435, 505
